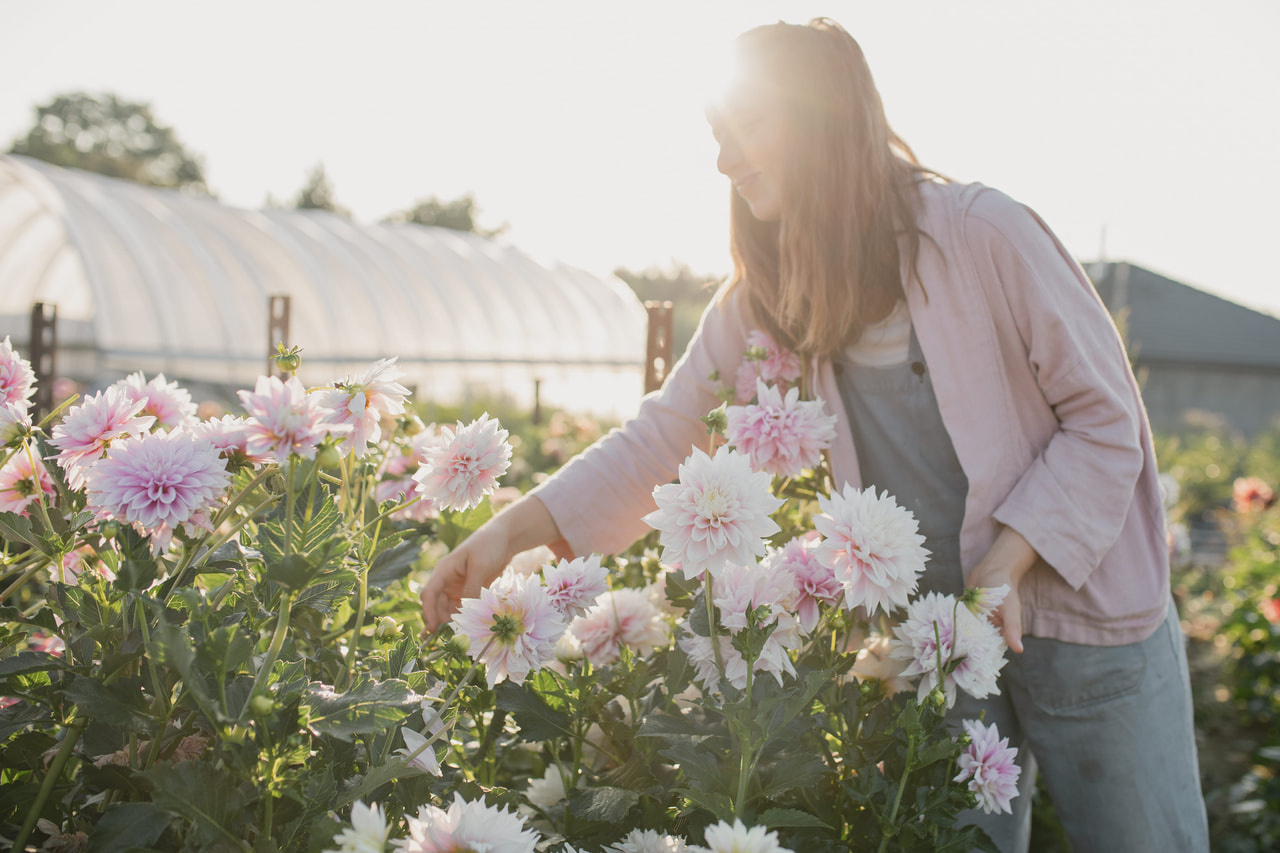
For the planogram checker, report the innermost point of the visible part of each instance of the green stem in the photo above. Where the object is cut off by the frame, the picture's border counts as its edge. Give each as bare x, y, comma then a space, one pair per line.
273, 650
362, 600
20, 582
902, 786
71, 736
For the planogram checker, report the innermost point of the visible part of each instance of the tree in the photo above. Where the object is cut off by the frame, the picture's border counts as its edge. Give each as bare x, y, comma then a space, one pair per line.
459, 214
317, 193
111, 136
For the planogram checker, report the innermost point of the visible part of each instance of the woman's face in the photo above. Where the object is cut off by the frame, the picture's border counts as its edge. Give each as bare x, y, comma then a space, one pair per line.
751, 130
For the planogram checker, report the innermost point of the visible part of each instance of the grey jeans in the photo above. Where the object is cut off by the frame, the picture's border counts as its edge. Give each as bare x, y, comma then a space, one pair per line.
1111, 729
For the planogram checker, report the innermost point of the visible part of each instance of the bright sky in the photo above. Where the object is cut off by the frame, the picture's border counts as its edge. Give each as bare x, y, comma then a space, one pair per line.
581, 125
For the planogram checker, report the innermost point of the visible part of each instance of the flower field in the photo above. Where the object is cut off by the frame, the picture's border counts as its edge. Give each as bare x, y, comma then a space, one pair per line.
210, 640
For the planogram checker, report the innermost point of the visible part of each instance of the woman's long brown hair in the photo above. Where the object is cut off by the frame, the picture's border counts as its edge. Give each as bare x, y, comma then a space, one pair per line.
830, 266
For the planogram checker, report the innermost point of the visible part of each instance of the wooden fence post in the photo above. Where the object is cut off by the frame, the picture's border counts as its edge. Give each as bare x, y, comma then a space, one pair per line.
278, 310
42, 349
657, 355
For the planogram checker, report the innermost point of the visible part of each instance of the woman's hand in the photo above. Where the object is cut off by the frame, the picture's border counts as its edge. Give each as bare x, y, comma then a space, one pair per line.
1011, 556
475, 563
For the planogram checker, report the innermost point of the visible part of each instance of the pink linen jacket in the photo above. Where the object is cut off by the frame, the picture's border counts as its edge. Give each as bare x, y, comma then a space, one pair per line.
1033, 386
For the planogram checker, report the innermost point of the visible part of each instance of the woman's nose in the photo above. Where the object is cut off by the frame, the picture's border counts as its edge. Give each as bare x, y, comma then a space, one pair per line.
729, 156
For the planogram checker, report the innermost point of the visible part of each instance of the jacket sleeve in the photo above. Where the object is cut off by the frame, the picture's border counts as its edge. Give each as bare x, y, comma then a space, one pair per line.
1072, 501
599, 498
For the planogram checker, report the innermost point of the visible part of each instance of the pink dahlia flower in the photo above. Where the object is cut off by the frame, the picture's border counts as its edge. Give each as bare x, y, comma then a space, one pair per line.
703, 657
943, 641
621, 617
17, 379
156, 482
983, 600
742, 590
988, 763
15, 423
86, 431
284, 420
229, 435
781, 435
358, 403
648, 841
815, 583
872, 545
723, 838
574, 585
169, 403
717, 513
368, 831
466, 465
22, 479
464, 827
513, 627
875, 662
398, 483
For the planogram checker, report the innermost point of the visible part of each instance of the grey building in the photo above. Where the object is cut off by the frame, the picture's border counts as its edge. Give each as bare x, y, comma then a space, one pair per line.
1201, 360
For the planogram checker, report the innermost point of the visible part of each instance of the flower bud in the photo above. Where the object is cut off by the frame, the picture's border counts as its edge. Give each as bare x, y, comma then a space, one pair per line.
386, 629
261, 705
287, 360
329, 458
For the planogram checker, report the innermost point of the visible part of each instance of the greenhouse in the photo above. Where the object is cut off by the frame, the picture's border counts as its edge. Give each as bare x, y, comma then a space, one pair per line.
162, 281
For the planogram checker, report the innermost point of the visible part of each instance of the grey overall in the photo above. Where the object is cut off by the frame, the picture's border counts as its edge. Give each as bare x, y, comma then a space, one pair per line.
1111, 725
903, 447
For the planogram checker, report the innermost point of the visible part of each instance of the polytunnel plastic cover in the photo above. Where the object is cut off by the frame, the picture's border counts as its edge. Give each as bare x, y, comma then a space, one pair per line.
163, 281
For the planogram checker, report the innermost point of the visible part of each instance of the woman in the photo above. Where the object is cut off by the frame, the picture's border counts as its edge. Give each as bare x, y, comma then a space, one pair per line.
980, 380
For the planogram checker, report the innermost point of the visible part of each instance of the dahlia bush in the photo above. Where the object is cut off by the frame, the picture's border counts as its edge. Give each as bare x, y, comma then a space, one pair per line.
210, 640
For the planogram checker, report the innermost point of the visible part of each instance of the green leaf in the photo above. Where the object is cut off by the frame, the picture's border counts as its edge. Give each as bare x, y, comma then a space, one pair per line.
128, 826
294, 571
120, 705
363, 786
42, 618
608, 805
369, 707
791, 773
16, 528
205, 797
230, 557
323, 594
457, 526
25, 662
134, 574
774, 818
670, 727
537, 720
223, 651
394, 563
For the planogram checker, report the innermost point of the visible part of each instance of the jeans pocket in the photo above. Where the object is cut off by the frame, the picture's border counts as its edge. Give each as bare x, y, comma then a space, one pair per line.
1067, 678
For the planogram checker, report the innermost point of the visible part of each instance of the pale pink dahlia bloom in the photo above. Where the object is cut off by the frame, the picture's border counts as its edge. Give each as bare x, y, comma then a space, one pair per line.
742, 590
872, 545
283, 420
156, 482
22, 480
358, 403
778, 366
513, 627
229, 435
620, 617
702, 654
86, 431
466, 465
398, 483
782, 435
574, 585
723, 838
367, 834
648, 841
983, 600
815, 583
17, 379
875, 662
466, 828
421, 755
169, 403
988, 763
940, 633
717, 513
15, 423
